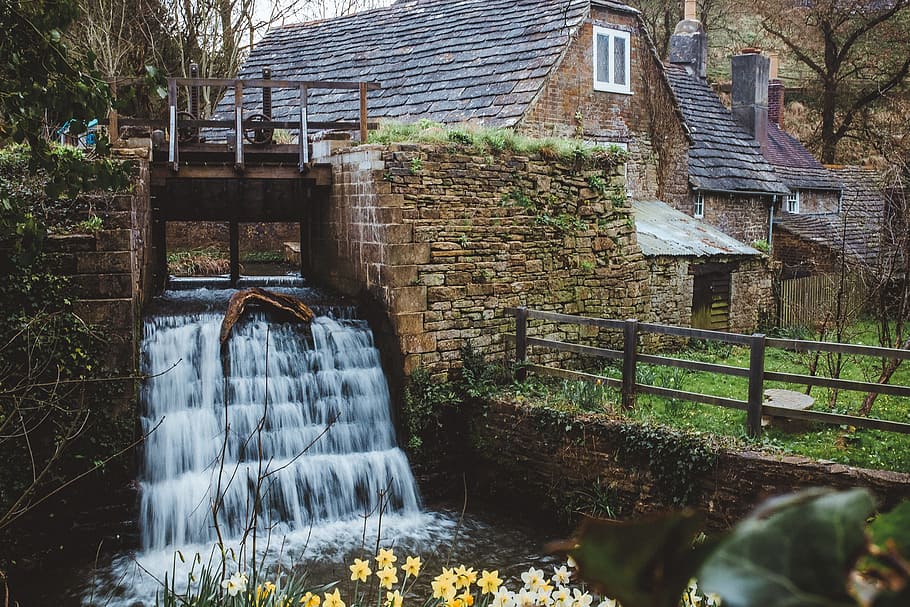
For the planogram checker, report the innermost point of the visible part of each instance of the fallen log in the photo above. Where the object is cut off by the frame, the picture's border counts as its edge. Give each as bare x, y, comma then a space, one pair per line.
287, 305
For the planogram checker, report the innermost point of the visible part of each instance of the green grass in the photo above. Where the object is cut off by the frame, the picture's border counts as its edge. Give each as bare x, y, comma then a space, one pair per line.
492, 141
843, 444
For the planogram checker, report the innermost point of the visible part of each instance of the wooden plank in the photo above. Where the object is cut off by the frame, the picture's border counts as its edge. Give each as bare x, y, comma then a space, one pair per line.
756, 384
730, 338
562, 346
276, 84
630, 351
364, 131
835, 418
841, 384
318, 174
800, 345
708, 399
172, 154
604, 323
576, 375
238, 126
693, 365
521, 342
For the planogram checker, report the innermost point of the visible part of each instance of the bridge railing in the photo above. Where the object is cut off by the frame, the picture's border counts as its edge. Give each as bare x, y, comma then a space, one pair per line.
183, 126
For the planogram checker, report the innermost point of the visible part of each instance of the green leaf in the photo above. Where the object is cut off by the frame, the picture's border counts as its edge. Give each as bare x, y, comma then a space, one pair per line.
795, 550
645, 563
894, 525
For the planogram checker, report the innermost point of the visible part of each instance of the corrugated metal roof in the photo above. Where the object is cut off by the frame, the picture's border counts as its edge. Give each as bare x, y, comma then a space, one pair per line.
662, 230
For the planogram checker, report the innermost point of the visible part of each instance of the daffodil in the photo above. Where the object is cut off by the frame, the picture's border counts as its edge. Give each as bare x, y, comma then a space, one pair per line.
411, 566
562, 597
443, 588
310, 600
571, 563
393, 599
235, 584
561, 575
581, 599
464, 577
385, 558
525, 598
489, 581
387, 577
466, 598
533, 579
360, 570
543, 593
333, 600
502, 597
607, 603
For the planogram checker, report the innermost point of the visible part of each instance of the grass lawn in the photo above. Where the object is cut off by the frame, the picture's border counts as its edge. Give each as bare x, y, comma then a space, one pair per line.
843, 444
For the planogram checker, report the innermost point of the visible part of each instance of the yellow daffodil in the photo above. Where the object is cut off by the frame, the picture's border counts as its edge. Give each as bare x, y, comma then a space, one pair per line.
393, 599
385, 557
489, 581
443, 588
333, 600
360, 570
411, 566
387, 577
466, 598
464, 577
310, 600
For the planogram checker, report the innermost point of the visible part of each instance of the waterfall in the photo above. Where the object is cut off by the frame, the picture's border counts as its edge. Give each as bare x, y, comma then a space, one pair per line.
314, 402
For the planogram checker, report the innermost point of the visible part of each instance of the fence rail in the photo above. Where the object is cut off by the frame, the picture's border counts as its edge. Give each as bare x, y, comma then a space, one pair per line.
756, 374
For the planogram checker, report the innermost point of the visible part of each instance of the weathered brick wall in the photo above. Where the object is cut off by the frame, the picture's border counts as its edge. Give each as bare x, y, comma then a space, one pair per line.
800, 257
745, 218
671, 285
446, 239
568, 106
816, 201
539, 459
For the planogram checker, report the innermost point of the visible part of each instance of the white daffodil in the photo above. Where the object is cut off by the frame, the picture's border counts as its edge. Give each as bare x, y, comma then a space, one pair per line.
235, 584
562, 597
581, 599
561, 575
526, 598
533, 579
503, 597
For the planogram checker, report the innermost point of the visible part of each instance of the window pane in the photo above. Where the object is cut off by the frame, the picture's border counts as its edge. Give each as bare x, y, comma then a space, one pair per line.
603, 58
619, 60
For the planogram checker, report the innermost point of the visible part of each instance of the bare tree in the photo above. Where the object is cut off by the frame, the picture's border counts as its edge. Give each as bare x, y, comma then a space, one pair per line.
857, 51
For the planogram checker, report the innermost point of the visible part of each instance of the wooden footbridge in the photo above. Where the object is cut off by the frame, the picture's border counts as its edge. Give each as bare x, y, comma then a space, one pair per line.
230, 168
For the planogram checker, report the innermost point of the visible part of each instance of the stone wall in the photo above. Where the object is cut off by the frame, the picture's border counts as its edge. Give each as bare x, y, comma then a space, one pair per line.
751, 296
569, 107
801, 257
745, 218
445, 239
542, 460
109, 268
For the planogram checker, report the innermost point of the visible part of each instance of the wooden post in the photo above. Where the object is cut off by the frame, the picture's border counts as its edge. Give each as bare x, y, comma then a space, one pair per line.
363, 112
756, 383
113, 128
304, 160
172, 154
521, 343
235, 252
238, 125
629, 359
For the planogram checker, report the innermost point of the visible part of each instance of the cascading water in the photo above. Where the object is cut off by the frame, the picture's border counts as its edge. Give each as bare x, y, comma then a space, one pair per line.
308, 425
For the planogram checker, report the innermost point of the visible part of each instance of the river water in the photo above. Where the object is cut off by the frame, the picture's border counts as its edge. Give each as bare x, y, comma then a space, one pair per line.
283, 445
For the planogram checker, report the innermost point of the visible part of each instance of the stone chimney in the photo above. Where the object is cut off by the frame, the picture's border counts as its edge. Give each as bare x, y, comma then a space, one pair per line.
750, 93
775, 91
688, 44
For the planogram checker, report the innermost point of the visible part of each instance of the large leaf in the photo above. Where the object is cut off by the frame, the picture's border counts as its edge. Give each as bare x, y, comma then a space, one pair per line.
645, 563
796, 550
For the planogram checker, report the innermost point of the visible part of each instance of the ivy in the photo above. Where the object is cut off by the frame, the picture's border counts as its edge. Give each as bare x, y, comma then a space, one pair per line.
677, 460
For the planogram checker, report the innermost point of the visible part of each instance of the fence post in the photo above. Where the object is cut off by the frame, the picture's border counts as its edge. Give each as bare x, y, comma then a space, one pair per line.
630, 353
364, 128
521, 343
756, 383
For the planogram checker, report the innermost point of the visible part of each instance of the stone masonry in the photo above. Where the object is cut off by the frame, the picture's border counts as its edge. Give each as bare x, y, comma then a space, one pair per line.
446, 239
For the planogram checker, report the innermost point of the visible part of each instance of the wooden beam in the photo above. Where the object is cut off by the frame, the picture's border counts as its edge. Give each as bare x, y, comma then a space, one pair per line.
364, 131
276, 84
302, 139
172, 157
318, 174
238, 125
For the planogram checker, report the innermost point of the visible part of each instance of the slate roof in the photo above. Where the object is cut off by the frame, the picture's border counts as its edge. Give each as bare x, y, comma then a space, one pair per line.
662, 230
857, 229
723, 157
443, 60
795, 165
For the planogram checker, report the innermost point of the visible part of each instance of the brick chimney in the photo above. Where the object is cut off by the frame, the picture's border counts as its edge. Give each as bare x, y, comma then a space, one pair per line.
688, 44
750, 93
775, 91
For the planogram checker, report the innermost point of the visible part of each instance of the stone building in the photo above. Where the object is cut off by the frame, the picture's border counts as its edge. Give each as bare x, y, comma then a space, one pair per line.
582, 69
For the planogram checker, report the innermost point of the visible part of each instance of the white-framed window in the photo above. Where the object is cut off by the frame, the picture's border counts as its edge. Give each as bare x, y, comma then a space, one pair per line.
793, 202
612, 60
699, 209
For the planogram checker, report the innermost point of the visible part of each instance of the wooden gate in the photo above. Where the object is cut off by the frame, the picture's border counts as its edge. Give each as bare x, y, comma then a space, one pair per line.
711, 301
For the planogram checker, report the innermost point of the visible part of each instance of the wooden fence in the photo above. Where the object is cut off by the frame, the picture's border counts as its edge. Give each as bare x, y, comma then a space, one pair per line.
757, 343
804, 301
